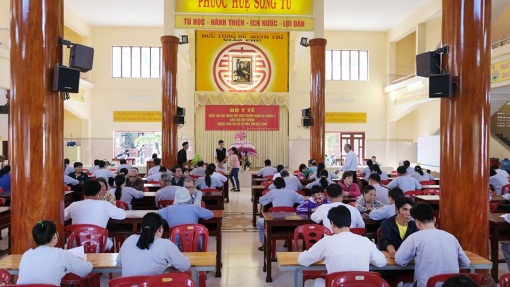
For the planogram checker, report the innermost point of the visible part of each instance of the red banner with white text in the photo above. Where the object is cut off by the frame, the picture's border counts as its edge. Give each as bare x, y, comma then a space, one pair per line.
248, 118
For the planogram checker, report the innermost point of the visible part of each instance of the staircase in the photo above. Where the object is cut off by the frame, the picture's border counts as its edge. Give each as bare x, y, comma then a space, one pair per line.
500, 125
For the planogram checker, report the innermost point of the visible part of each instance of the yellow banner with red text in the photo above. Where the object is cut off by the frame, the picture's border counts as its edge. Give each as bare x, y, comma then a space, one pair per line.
244, 22
137, 116
246, 7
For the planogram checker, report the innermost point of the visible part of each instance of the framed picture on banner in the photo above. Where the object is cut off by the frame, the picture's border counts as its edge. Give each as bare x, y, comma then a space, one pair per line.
241, 67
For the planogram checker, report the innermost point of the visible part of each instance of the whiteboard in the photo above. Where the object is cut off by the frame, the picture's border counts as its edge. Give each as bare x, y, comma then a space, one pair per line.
429, 151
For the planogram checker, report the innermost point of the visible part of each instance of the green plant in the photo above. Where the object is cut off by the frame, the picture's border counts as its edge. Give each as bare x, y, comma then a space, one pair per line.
247, 163
196, 159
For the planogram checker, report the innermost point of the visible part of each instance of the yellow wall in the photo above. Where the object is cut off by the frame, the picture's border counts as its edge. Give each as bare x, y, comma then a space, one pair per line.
433, 37
406, 55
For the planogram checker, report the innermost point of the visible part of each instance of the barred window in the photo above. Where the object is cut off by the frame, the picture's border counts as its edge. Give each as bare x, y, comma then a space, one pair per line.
346, 65
136, 62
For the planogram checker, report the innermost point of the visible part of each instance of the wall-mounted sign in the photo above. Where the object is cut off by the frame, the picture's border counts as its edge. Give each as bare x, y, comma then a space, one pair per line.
246, 22
346, 118
246, 7
410, 95
137, 116
247, 118
500, 71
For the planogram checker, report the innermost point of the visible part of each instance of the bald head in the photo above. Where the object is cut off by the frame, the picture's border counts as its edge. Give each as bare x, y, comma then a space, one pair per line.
132, 175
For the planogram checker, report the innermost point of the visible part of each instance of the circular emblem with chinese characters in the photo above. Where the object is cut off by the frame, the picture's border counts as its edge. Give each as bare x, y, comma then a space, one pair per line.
242, 67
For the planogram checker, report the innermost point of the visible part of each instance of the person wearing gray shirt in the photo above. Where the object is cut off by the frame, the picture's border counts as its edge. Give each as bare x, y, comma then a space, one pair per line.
291, 182
403, 181
167, 190
434, 251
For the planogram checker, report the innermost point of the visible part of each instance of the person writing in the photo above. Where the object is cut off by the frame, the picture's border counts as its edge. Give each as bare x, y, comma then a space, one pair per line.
316, 199
344, 250
397, 228
148, 254
367, 202
388, 210
124, 193
349, 187
47, 264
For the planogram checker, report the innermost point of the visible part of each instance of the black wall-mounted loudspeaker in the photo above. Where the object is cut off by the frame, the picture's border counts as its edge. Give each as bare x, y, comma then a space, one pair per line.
5, 109
181, 111
180, 120
305, 113
66, 79
427, 64
81, 58
441, 86
306, 122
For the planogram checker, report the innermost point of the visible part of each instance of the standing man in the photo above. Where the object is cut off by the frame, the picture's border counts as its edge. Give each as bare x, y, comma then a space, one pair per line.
351, 162
220, 156
182, 157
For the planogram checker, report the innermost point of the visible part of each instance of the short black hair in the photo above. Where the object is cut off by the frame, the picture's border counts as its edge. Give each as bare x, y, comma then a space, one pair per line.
401, 170
96, 162
184, 143
279, 182
316, 189
122, 161
174, 169
493, 172
267, 162
367, 189
375, 177
123, 171
77, 164
220, 141
157, 161
284, 173
154, 155
312, 162
279, 167
162, 169
91, 187
212, 165
423, 212
43, 232
200, 163
102, 163
401, 201
66, 161
334, 190
340, 216
395, 193
406, 163
459, 281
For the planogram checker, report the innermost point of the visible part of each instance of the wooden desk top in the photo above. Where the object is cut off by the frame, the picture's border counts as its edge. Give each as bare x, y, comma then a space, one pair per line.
279, 216
434, 199
496, 218
428, 197
4, 208
108, 260
141, 213
290, 259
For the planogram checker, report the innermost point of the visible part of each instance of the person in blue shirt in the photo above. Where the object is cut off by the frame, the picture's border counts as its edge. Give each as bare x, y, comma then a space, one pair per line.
5, 178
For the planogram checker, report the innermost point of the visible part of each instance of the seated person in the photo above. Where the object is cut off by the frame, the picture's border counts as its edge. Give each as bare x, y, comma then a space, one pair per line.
208, 181
318, 173
312, 164
460, 281
349, 188
291, 182
67, 181
103, 172
156, 176
419, 175
343, 251
403, 181
94, 167
93, 211
167, 190
397, 228
439, 251
148, 254
367, 202
304, 171
388, 210
103, 194
218, 175
316, 199
367, 170
409, 169
199, 170
335, 195
381, 192
267, 170
5, 178
47, 264
182, 212
134, 180
196, 195
178, 178
155, 168
382, 174
323, 181
497, 181
278, 197
123, 164
78, 172
67, 166
124, 193
279, 168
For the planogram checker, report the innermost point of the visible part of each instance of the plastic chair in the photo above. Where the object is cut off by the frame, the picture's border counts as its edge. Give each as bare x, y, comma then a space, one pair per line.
145, 189
29, 285
122, 204
431, 191
504, 280
269, 177
202, 204
67, 188
209, 190
301, 192
189, 238
384, 182
266, 183
427, 182
310, 233
493, 207
5, 277
168, 279
195, 176
164, 203
412, 193
356, 279
359, 231
478, 278
265, 192
352, 203
505, 189
127, 281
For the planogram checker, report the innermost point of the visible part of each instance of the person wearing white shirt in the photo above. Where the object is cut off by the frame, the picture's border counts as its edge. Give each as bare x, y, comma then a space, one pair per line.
505, 247
381, 173
124, 193
279, 168
323, 180
199, 170
420, 175
381, 192
69, 180
343, 251
389, 210
47, 264
404, 182
218, 175
497, 181
94, 167
267, 170
167, 190
374, 160
312, 164
409, 169
67, 167
351, 162
335, 194
103, 172
291, 182
501, 172
208, 181
123, 164
93, 211
367, 170
156, 176
155, 168
434, 251
148, 254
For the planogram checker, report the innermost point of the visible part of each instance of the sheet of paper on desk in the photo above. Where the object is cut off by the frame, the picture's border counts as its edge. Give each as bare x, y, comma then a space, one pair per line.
506, 196
78, 252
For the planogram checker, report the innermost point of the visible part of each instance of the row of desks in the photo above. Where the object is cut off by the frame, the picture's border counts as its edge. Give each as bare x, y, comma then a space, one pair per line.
213, 200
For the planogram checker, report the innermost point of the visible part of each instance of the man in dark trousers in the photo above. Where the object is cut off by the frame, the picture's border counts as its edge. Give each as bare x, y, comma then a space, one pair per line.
220, 156
182, 157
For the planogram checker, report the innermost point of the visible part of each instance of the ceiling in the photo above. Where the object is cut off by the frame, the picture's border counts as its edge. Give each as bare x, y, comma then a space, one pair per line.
358, 15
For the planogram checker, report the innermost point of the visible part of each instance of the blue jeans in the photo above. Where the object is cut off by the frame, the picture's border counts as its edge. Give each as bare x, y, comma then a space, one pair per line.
505, 248
234, 176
